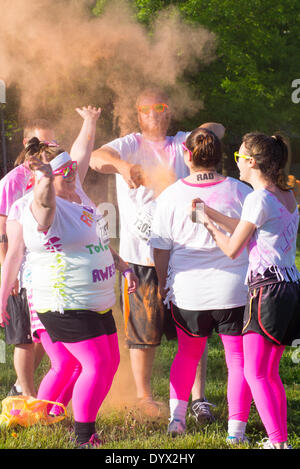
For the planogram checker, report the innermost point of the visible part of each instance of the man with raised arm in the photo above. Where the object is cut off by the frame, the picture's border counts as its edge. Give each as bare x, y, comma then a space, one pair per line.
145, 163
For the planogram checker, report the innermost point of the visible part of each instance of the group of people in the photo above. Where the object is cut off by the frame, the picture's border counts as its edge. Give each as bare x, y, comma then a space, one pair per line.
199, 252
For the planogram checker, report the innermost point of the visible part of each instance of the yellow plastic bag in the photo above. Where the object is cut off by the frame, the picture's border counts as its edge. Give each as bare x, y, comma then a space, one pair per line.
27, 411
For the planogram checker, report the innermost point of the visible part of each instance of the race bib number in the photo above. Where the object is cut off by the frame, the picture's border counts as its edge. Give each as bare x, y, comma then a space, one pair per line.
102, 229
142, 225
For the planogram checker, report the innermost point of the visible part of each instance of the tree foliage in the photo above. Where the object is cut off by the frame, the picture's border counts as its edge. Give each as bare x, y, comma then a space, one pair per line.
249, 85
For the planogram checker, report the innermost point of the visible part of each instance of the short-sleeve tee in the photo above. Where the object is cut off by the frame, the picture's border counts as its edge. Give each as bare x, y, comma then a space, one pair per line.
201, 276
13, 186
154, 157
71, 265
273, 244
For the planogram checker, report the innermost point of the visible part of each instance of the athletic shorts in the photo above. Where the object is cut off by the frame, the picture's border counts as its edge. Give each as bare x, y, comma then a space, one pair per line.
77, 325
203, 323
146, 318
273, 311
18, 331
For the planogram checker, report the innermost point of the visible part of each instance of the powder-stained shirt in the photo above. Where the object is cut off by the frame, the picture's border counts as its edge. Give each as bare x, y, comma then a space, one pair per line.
70, 265
13, 186
273, 244
201, 276
136, 205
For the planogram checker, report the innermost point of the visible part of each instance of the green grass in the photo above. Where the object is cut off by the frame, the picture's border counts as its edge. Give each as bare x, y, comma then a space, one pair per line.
122, 427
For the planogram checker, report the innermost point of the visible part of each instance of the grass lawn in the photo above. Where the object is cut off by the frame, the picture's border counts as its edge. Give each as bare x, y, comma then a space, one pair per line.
122, 427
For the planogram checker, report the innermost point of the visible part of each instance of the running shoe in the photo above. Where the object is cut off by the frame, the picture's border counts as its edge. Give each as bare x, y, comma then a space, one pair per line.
200, 410
14, 392
94, 442
176, 427
265, 443
234, 440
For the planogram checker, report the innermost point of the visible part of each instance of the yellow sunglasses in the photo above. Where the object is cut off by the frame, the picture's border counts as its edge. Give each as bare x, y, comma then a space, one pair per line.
237, 156
158, 107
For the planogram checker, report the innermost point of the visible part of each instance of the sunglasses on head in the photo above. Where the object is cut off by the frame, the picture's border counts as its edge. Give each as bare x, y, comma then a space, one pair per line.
53, 143
237, 156
186, 148
66, 170
157, 107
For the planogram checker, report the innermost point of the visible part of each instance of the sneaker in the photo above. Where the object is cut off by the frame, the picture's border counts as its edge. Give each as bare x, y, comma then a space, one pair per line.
265, 443
176, 427
234, 440
14, 392
200, 410
94, 442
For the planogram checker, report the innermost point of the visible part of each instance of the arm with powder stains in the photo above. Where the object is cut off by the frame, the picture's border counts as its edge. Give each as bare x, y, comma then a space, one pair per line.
106, 160
83, 145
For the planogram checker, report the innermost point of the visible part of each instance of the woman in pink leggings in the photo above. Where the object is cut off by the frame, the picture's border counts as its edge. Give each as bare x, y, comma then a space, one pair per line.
205, 289
268, 227
72, 277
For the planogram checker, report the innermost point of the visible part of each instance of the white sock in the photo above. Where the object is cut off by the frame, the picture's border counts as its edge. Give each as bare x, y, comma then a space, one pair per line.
236, 428
18, 387
178, 409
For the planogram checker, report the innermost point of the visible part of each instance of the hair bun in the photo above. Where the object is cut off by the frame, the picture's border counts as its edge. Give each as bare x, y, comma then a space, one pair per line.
33, 144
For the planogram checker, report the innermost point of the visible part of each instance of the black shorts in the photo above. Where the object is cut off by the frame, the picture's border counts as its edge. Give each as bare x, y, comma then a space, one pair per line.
146, 318
18, 331
77, 325
203, 323
273, 311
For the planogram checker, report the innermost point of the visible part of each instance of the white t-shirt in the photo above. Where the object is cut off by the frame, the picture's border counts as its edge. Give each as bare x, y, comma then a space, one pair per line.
273, 244
17, 205
200, 276
136, 205
70, 265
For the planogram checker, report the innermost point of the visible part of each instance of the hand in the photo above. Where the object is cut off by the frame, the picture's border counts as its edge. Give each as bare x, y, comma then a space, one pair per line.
4, 317
133, 175
89, 112
15, 289
163, 291
197, 211
132, 282
216, 128
37, 165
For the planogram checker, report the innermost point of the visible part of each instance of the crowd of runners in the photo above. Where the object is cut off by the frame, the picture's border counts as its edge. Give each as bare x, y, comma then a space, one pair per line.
199, 253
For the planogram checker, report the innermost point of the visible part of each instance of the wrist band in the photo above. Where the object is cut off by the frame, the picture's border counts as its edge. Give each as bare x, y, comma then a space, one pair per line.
127, 271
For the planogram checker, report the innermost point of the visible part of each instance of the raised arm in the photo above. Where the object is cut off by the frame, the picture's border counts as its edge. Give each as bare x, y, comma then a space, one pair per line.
44, 200
106, 160
83, 145
11, 266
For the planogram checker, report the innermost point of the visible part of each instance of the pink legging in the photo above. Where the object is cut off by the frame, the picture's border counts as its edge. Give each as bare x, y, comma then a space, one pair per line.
262, 360
55, 352
96, 361
184, 366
